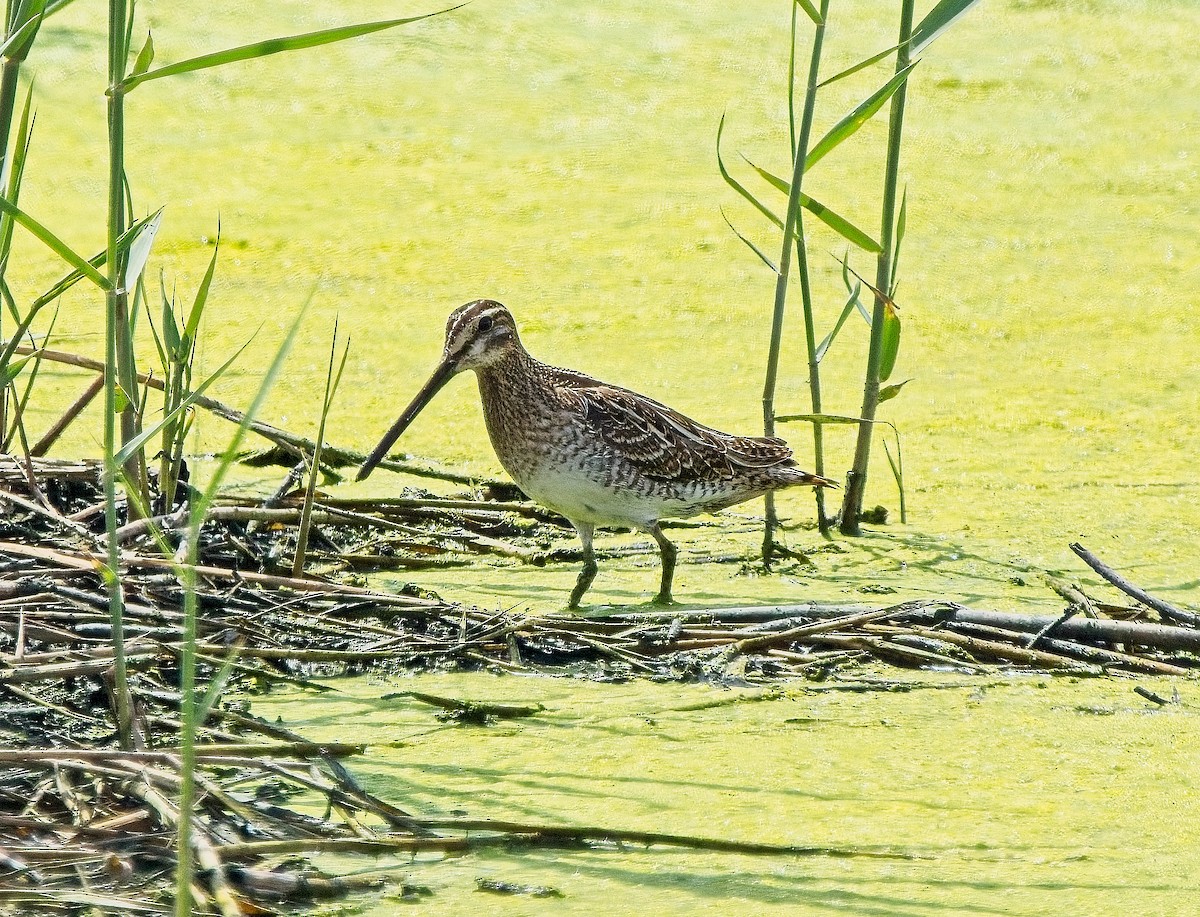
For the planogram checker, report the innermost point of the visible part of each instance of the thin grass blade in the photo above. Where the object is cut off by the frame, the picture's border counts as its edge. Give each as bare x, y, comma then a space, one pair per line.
811, 10
818, 418
754, 248
824, 346
897, 465
901, 222
861, 65
15, 172
217, 685
854, 289
131, 448
861, 114
197, 310
56, 245
936, 21
833, 220
276, 46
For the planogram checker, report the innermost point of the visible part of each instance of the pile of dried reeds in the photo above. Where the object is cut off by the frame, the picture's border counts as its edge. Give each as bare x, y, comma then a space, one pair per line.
86, 824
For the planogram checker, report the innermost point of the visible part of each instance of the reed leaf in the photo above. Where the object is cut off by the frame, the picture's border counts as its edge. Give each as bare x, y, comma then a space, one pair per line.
818, 418
96, 261
811, 10
754, 248
859, 116
139, 249
197, 310
834, 221
897, 465
936, 21
145, 57
10, 369
901, 222
888, 392
16, 46
56, 245
274, 46
825, 344
890, 341
130, 449
861, 65
15, 171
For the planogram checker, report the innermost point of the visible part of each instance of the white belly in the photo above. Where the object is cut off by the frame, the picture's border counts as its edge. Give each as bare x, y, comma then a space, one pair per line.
581, 499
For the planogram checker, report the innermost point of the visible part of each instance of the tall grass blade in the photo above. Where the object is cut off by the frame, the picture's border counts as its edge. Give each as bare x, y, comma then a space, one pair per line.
834, 221
56, 245
15, 172
190, 704
825, 344
332, 381
811, 11
275, 46
936, 21
861, 65
861, 114
754, 248
901, 223
16, 46
130, 449
897, 465
197, 310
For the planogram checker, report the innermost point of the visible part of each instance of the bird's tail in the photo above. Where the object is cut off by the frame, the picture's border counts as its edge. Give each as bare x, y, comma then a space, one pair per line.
796, 477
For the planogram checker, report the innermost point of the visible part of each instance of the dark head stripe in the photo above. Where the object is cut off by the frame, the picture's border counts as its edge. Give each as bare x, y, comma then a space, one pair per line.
465, 316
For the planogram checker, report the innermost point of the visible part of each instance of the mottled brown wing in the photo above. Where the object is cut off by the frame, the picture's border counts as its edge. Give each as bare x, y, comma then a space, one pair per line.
662, 442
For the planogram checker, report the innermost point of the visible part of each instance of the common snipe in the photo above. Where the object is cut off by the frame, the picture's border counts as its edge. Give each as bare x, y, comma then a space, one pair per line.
597, 453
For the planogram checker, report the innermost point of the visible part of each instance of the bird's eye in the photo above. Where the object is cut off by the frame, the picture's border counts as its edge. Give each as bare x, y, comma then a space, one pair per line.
485, 323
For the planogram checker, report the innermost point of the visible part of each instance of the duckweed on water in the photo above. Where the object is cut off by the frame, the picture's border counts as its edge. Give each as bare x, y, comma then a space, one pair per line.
559, 157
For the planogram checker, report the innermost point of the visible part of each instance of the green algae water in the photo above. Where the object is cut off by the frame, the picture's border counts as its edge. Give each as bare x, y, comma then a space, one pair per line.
560, 157
1022, 795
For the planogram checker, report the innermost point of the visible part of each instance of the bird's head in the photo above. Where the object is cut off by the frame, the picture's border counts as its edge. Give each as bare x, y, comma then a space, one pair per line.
477, 335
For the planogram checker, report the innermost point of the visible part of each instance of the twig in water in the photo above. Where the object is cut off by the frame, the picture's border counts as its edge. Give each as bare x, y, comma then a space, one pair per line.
1164, 608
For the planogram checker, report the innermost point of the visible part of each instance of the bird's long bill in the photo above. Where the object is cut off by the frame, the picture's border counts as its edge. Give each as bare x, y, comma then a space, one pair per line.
445, 371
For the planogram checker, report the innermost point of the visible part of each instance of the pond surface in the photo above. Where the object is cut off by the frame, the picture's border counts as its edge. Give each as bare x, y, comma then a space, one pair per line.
560, 157
1019, 796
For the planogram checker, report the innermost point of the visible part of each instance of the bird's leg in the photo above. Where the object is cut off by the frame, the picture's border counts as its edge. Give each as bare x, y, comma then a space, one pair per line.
669, 553
588, 573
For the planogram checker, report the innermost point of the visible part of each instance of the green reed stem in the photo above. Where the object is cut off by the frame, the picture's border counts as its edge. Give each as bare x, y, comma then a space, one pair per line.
856, 481
793, 220
112, 315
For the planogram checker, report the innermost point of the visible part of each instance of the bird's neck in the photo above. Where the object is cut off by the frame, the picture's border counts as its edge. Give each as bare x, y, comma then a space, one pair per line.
513, 377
